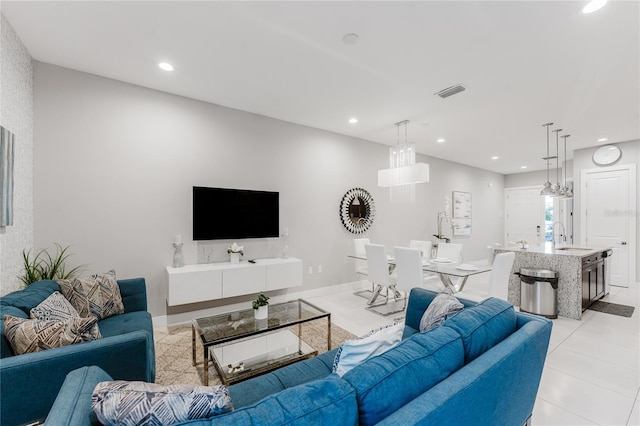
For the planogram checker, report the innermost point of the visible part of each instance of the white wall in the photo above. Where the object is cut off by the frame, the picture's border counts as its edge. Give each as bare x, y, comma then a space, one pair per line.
16, 115
115, 163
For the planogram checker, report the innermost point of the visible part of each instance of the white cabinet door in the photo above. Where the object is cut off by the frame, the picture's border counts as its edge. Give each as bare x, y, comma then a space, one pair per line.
285, 274
194, 286
243, 279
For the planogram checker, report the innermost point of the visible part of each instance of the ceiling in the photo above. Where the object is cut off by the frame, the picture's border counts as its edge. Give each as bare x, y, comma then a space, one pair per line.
523, 63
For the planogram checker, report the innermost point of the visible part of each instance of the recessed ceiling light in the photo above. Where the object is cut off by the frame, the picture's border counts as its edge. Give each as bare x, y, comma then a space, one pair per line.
523, 167
495, 157
165, 66
603, 139
440, 140
593, 5
353, 120
350, 38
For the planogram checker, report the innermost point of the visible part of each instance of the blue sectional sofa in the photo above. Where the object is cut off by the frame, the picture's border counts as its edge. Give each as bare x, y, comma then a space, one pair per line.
482, 367
30, 382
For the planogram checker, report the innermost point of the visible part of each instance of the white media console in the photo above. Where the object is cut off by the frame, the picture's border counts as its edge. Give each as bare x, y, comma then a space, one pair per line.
199, 283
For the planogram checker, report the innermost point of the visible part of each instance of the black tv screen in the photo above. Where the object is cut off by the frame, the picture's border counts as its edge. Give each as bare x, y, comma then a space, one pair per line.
226, 214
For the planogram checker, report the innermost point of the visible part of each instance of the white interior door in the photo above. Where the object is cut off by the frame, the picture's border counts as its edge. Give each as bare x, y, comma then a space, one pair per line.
608, 201
524, 215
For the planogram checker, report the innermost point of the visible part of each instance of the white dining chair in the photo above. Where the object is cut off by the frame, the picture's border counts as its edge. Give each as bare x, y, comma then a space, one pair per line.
379, 275
358, 250
409, 272
498, 280
450, 251
423, 246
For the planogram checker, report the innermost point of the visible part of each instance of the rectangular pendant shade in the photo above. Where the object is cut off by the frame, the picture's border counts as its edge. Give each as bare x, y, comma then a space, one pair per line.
413, 173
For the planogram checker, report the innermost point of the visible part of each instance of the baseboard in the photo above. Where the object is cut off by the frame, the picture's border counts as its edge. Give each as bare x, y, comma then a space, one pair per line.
187, 317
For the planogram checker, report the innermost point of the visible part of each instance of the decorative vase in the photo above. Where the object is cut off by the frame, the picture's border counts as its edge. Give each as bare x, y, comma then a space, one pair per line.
261, 313
178, 258
235, 257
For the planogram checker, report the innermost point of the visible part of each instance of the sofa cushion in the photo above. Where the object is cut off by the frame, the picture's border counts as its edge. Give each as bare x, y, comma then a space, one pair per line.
354, 352
56, 308
125, 323
328, 401
483, 326
30, 296
442, 307
386, 382
127, 403
26, 335
97, 295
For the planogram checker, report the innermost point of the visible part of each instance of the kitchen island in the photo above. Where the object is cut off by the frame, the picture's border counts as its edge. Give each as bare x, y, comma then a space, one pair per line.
579, 284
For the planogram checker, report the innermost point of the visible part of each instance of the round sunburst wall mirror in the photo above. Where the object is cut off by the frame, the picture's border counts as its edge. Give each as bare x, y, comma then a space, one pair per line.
357, 210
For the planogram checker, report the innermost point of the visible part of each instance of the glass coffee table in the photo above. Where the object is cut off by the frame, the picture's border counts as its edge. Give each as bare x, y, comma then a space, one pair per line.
241, 347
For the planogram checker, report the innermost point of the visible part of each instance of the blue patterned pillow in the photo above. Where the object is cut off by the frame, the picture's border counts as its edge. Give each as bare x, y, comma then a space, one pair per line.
443, 306
126, 403
354, 352
57, 308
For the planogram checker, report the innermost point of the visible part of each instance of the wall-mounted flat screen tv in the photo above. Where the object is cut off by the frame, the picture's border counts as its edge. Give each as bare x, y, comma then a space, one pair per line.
228, 214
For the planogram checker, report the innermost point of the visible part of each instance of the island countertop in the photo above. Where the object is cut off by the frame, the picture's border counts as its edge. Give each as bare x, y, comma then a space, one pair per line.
565, 261
561, 250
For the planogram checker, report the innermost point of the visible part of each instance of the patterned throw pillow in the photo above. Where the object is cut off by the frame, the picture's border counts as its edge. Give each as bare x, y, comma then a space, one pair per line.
441, 307
133, 403
26, 335
97, 295
354, 352
57, 308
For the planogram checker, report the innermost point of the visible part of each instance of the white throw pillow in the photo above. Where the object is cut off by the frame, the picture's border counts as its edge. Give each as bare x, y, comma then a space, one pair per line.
354, 352
443, 306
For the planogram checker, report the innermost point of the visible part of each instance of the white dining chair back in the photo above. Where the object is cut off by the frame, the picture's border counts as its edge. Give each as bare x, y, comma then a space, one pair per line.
423, 246
408, 268
358, 250
450, 251
500, 275
377, 264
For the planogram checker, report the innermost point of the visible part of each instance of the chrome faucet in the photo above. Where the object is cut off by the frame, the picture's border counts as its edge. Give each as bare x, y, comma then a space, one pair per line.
553, 235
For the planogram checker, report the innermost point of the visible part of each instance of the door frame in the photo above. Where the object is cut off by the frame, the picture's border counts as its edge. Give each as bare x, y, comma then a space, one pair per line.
631, 168
505, 241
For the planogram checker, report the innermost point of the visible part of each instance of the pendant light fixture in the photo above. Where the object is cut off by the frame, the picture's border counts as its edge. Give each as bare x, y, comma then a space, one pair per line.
547, 190
403, 169
557, 188
567, 191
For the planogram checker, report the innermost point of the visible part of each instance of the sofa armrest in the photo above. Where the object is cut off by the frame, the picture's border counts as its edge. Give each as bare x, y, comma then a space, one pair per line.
134, 294
32, 381
72, 406
497, 388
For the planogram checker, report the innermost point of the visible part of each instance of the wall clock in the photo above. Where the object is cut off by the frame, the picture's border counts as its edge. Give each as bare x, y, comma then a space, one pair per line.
607, 154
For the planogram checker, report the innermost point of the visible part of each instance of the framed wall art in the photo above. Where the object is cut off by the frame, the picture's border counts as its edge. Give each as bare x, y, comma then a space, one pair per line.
461, 214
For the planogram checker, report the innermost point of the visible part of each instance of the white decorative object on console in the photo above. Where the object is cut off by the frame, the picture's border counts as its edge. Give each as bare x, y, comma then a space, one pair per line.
198, 283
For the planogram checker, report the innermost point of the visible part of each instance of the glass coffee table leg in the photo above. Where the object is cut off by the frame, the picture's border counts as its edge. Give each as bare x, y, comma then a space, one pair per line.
193, 345
206, 367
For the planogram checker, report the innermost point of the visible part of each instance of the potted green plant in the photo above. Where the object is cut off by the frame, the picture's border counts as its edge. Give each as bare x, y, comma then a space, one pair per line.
45, 266
261, 307
235, 251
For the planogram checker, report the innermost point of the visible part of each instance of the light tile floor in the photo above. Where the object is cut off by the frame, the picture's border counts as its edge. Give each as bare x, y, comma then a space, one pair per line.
592, 372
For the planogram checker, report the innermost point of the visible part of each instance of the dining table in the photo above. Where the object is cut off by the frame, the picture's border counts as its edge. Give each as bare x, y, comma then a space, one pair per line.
453, 275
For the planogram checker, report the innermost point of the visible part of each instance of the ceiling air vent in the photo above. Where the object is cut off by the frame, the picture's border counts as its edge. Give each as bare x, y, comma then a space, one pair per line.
450, 91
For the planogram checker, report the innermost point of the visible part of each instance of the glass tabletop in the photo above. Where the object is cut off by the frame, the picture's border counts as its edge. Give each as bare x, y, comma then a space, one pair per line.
456, 269
240, 324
